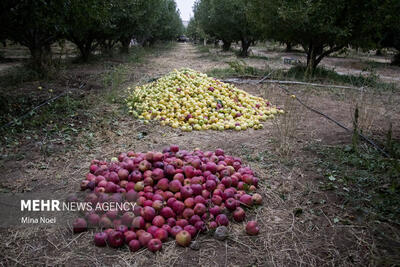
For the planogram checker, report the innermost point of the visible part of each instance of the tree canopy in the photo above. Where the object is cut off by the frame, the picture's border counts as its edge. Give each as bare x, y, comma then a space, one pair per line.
321, 27
229, 21
87, 24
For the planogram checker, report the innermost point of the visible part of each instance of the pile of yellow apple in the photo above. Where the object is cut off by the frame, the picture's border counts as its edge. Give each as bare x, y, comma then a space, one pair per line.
191, 100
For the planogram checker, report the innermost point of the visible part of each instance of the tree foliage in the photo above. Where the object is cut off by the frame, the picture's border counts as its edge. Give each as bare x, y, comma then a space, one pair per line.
321, 27
390, 27
86, 23
229, 21
34, 24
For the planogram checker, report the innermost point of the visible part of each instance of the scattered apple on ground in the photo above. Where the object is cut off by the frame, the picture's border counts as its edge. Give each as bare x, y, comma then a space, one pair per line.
176, 193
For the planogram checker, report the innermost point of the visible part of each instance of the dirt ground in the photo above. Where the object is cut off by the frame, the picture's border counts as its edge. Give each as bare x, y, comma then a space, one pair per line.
287, 238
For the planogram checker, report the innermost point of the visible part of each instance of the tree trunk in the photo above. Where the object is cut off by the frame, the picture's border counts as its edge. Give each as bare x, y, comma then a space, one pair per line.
244, 51
85, 48
396, 59
107, 47
378, 52
226, 45
125, 45
288, 47
311, 62
41, 58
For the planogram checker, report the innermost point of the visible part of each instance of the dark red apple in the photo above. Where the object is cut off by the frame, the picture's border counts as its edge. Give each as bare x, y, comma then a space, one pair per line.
100, 239
221, 219
200, 209
148, 213
191, 229
79, 225
171, 221
239, 214
158, 221
189, 202
246, 200
154, 245
175, 230
182, 222
138, 222
115, 239
231, 203
129, 235
187, 213
215, 210
134, 245
175, 186
123, 174
178, 207
105, 222
145, 238
186, 191
93, 219
252, 228
161, 234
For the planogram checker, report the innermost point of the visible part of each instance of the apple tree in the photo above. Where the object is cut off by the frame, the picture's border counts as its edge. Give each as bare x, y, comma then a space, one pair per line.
34, 24
321, 27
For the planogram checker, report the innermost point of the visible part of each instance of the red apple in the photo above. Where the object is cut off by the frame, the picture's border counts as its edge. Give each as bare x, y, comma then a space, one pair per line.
138, 222
105, 222
134, 245
174, 148
152, 229
221, 219
93, 219
145, 238
100, 239
182, 222
212, 225
161, 234
199, 199
231, 203
148, 213
211, 185
246, 200
178, 207
175, 186
129, 235
144, 165
215, 210
123, 174
239, 214
191, 229
154, 245
131, 195
187, 213
175, 230
196, 188
200, 209
171, 221
115, 239
189, 202
157, 205
252, 228
79, 225
194, 219
158, 221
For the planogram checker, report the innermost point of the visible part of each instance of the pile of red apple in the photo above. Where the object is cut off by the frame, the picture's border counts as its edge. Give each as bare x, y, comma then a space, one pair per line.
177, 194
